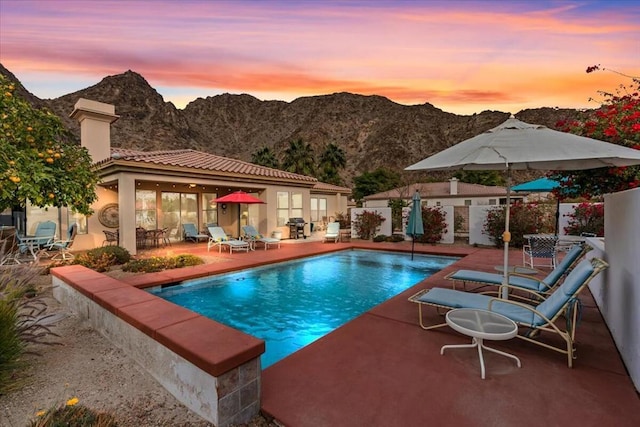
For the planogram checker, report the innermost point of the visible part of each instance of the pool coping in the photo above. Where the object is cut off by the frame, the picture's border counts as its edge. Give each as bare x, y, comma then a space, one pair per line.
199, 352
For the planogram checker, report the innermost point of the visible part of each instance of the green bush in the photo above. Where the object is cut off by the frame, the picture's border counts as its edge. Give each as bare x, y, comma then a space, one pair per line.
100, 259
395, 238
155, 264
380, 238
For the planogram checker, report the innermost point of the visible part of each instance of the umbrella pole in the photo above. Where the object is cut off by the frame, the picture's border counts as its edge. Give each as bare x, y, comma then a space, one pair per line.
506, 237
413, 242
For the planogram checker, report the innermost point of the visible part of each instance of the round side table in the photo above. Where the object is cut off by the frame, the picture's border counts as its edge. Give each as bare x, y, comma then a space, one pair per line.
481, 325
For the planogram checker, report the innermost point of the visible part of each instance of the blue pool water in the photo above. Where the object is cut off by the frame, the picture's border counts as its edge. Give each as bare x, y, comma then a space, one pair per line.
292, 304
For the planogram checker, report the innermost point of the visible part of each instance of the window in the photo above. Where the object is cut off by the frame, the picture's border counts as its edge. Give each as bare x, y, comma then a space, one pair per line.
209, 208
492, 201
289, 206
146, 209
296, 205
282, 208
467, 202
318, 209
438, 203
79, 219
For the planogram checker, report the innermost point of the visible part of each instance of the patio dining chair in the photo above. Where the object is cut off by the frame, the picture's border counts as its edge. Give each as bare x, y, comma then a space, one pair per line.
62, 247
542, 317
110, 238
540, 247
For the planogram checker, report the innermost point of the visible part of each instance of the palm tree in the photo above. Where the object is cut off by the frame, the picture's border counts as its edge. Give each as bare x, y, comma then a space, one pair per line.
265, 157
331, 161
299, 158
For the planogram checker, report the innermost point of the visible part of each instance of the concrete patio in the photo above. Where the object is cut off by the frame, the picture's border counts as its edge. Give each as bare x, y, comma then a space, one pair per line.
382, 369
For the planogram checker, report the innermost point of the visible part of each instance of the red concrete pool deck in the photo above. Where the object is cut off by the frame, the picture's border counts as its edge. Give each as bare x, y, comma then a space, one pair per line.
382, 369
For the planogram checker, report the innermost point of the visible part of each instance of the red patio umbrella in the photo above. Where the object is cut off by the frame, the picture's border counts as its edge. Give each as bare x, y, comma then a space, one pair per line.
241, 198
238, 197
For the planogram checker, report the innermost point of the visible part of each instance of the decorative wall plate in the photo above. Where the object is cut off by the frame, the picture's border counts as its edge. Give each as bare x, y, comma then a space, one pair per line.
109, 216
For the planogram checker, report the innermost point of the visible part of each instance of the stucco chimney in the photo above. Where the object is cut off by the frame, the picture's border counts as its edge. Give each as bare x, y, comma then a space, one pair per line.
95, 127
453, 186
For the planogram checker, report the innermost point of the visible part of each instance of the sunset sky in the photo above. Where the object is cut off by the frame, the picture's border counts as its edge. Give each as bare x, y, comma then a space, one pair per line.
461, 56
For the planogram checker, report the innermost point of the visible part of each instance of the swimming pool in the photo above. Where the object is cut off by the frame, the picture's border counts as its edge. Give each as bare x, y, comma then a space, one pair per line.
291, 304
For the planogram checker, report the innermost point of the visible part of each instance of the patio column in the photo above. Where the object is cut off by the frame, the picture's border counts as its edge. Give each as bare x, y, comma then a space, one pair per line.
127, 212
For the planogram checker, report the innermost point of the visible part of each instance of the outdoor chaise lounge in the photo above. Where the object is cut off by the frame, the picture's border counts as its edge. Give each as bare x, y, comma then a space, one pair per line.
534, 318
191, 232
522, 281
252, 235
333, 232
219, 238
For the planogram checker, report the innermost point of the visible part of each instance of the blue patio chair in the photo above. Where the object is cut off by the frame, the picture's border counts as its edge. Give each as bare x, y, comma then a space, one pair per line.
534, 318
220, 239
62, 247
522, 281
252, 235
191, 232
45, 232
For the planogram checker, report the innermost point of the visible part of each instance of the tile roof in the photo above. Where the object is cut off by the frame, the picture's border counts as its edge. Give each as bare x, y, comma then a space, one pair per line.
193, 159
439, 189
323, 186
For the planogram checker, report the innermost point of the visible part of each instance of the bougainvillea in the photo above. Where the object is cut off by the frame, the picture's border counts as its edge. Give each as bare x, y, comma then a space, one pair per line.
616, 121
586, 218
524, 218
435, 225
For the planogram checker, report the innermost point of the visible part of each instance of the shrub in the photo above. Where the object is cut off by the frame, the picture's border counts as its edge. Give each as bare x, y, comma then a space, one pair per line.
380, 238
586, 218
22, 320
344, 220
72, 414
529, 218
155, 264
100, 259
395, 238
433, 220
367, 224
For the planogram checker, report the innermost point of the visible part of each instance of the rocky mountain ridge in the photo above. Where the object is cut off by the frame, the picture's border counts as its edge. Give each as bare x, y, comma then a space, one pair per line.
373, 131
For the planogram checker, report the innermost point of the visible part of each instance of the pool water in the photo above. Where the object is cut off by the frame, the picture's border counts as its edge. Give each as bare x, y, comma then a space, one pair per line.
292, 304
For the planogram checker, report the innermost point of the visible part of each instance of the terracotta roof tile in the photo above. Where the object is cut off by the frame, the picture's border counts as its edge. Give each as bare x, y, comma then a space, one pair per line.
323, 186
204, 161
439, 189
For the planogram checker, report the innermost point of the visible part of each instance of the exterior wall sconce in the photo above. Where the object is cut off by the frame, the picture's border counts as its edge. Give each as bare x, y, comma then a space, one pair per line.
223, 206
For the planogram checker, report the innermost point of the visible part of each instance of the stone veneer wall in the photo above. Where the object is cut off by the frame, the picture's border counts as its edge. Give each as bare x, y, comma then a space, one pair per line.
212, 369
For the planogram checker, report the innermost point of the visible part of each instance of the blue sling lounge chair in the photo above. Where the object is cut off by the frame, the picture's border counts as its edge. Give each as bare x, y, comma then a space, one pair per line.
521, 281
251, 234
534, 318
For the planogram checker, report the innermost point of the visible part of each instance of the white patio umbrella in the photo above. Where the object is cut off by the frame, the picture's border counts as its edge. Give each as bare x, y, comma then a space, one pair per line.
516, 145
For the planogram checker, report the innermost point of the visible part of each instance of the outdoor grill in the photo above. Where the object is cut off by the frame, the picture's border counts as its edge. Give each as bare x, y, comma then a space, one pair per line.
296, 228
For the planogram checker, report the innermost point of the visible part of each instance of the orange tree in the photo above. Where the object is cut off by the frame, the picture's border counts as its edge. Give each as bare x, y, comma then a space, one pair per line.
616, 121
39, 161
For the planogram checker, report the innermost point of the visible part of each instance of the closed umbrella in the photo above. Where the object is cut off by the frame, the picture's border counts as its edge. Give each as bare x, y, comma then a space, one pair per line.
241, 198
541, 185
415, 226
516, 145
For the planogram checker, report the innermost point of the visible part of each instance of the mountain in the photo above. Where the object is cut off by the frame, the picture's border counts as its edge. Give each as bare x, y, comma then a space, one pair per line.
373, 131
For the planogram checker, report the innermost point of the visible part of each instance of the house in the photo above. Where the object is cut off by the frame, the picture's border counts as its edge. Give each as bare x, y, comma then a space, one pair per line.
165, 189
452, 193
